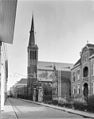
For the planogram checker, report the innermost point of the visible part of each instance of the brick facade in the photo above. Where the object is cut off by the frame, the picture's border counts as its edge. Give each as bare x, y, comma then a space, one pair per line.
32, 63
82, 75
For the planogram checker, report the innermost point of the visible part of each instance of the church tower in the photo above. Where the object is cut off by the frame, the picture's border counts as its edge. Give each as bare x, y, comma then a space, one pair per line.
32, 61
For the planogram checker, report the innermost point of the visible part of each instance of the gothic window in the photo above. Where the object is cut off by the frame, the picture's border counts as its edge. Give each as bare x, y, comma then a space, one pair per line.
33, 55
85, 72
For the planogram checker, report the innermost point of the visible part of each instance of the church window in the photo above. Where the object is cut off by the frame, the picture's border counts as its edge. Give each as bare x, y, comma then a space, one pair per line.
33, 55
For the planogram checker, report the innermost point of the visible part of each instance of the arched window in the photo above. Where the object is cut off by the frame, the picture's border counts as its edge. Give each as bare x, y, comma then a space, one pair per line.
85, 91
85, 72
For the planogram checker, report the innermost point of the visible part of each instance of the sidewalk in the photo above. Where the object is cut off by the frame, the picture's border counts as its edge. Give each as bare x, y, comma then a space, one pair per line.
82, 113
8, 112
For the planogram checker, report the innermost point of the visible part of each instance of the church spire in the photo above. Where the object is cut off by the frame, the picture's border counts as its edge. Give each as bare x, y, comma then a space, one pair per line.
32, 37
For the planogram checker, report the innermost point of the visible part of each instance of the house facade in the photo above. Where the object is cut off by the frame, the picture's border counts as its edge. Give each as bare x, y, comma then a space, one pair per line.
3, 73
82, 75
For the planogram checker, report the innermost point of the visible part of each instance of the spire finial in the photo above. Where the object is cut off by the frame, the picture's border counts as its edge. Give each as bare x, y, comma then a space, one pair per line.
32, 37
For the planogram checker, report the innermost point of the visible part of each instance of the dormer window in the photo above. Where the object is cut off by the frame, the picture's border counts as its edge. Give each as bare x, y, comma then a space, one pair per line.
85, 72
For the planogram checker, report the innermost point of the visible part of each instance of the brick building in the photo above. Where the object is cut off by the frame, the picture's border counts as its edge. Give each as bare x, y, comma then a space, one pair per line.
3, 73
82, 76
32, 63
7, 23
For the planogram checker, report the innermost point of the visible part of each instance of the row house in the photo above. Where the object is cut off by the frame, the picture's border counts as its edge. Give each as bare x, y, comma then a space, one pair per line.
7, 23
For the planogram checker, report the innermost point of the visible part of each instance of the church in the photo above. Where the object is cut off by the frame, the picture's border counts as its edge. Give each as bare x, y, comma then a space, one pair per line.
42, 74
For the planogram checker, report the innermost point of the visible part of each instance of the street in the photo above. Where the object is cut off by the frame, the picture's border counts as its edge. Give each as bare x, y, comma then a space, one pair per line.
28, 110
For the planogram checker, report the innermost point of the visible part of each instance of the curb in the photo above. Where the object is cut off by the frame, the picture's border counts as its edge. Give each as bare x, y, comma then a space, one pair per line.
77, 112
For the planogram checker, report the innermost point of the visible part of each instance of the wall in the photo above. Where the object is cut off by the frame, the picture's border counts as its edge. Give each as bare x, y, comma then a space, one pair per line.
4, 74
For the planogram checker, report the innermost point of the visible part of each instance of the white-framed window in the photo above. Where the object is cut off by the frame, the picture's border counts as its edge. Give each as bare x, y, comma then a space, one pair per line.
74, 89
78, 74
78, 89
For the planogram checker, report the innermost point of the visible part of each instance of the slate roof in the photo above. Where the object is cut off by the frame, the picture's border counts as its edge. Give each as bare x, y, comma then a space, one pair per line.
49, 65
78, 62
90, 45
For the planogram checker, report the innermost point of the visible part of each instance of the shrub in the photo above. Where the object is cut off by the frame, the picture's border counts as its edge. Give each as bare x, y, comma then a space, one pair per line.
55, 102
80, 105
91, 100
90, 103
65, 104
69, 105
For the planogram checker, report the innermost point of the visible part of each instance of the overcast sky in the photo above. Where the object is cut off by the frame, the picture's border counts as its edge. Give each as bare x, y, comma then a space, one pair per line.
62, 29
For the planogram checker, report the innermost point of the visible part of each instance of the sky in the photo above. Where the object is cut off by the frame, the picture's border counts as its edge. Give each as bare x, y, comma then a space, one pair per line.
62, 29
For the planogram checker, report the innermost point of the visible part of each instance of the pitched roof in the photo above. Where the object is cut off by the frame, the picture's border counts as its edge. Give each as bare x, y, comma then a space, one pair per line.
50, 65
78, 62
90, 45
32, 37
